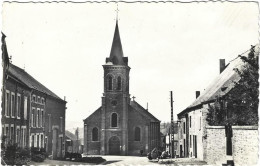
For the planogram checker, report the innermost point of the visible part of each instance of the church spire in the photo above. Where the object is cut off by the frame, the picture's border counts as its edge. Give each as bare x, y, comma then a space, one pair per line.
116, 53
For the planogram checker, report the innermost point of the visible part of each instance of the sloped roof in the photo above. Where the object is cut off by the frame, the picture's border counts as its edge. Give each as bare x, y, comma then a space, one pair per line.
70, 135
98, 110
222, 84
28, 80
116, 53
141, 109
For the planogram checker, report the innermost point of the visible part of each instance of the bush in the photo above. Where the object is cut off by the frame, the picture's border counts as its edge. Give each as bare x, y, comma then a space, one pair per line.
76, 156
38, 158
92, 159
13, 155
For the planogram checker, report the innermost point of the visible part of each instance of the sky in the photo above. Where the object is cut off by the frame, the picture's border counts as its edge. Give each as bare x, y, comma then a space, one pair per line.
170, 47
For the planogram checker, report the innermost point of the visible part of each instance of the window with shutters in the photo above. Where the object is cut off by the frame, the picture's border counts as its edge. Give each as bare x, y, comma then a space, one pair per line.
18, 106
7, 103
25, 108
12, 105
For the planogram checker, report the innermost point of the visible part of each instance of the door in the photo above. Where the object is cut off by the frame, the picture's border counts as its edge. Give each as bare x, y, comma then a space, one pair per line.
181, 152
195, 142
114, 146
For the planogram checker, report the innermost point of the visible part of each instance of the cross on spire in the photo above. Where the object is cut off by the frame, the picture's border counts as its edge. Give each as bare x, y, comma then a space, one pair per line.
117, 11
133, 98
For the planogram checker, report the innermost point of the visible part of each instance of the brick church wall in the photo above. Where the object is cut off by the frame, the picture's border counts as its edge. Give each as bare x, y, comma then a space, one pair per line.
137, 120
93, 147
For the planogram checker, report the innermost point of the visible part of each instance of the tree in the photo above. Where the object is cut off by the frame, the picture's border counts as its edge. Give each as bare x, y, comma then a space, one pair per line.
240, 105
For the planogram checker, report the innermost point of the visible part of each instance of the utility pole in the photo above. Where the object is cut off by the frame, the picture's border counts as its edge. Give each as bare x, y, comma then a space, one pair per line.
172, 128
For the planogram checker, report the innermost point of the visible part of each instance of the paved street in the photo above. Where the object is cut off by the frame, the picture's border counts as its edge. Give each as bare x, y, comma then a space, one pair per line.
58, 162
127, 161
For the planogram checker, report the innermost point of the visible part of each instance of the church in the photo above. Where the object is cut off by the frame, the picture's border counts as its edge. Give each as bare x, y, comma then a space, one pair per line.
120, 126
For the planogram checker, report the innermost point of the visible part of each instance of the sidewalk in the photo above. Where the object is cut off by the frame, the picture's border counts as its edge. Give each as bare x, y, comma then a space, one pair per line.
182, 161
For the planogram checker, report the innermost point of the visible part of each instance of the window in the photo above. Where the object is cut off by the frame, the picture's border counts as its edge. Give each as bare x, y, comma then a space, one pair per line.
42, 145
43, 101
49, 122
34, 98
38, 141
7, 133
94, 134
12, 134
25, 108
18, 136
110, 83
190, 121
12, 104
18, 105
40, 118
7, 103
190, 140
119, 83
42, 121
61, 122
39, 99
184, 129
32, 119
32, 140
114, 120
37, 118
137, 134
24, 137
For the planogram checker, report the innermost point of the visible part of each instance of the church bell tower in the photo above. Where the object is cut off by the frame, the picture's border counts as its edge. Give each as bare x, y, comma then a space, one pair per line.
115, 100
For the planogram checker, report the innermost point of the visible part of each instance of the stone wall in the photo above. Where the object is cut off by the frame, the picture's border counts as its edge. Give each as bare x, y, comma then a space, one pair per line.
244, 145
216, 145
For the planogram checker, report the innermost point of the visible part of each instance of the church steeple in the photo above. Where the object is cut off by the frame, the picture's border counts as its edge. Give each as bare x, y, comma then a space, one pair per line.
116, 53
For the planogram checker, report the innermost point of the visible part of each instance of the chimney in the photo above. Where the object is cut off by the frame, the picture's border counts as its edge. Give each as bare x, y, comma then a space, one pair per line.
197, 94
222, 65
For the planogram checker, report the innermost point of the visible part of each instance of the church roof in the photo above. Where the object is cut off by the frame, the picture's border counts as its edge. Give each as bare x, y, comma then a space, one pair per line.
141, 109
222, 85
116, 53
22, 76
98, 111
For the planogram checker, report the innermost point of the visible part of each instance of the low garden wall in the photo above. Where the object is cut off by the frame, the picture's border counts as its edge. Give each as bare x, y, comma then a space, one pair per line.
244, 145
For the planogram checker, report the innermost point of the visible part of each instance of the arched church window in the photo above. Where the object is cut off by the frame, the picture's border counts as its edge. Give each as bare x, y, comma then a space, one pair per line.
114, 120
137, 134
110, 82
119, 83
94, 134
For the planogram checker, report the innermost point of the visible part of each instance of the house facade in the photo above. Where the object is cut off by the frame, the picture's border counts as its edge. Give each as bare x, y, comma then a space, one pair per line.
32, 115
194, 129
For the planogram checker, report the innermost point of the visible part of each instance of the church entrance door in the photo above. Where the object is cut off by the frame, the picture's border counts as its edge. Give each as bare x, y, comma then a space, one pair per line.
114, 146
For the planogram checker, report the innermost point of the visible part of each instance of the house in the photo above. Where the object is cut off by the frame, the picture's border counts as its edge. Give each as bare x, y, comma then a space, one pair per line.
32, 115
120, 126
167, 135
73, 143
197, 139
